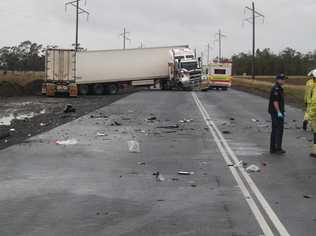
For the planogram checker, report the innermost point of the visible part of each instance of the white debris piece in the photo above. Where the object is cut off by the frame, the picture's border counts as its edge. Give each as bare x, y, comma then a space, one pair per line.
100, 134
133, 146
253, 168
185, 173
42, 124
67, 142
12, 130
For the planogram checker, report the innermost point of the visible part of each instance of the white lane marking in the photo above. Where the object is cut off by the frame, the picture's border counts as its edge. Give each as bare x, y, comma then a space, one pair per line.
254, 208
218, 135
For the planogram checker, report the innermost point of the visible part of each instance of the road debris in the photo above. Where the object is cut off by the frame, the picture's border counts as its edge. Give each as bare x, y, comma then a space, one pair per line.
141, 163
185, 121
175, 179
66, 142
152, 118
254, 120
115, 123
12, 130
42, 124
308, 196
69, 109
232, 118
253, 168
185, 173
226, 132
133, 146
100, 134
168, 127
159, 177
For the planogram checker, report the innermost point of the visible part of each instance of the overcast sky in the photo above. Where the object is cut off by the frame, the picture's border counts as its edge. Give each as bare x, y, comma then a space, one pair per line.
161, 22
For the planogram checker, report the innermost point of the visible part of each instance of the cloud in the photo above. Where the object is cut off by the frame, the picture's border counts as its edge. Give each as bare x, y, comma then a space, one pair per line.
163, 22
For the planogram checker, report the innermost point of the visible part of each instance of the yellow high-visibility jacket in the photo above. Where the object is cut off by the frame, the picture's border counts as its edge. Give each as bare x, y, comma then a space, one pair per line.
311, 100
308, 97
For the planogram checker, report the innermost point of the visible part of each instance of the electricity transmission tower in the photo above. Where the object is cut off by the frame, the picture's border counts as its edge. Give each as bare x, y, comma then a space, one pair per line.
252, 20
209, 48
125, 37
79, 11
219, 37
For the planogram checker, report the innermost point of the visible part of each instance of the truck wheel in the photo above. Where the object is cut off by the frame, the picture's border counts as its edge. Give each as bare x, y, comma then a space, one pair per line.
83, 89
98, 89
112, 89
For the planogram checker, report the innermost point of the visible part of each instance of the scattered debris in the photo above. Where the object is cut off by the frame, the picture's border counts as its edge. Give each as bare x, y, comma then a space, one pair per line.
159, 177
254, 120
152, 118
69, 109
12, 130
168, 127
175, 179
29, 135
264, 163
308, 196
161, 200
133, 146
100, 134
42, 124
115, 123
226, 132
232, 118
185, 121
185, 173
67, 142
6, 141
141, 163
253, 168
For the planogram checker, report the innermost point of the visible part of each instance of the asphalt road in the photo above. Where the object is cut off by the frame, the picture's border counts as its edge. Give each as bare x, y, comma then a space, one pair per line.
97, 187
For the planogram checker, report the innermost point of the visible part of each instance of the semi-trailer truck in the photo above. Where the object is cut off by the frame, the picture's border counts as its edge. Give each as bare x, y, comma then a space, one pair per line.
106, 71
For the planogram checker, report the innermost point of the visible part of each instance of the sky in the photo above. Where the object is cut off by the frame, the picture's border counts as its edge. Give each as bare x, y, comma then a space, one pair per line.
287, 23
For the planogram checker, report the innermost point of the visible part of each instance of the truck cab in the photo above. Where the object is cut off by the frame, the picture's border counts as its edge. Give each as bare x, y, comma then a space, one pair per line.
220, 75
185, 68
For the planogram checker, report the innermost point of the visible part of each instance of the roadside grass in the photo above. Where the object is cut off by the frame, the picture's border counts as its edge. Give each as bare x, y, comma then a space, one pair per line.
21, 78
292, 80
294, 93
20, 83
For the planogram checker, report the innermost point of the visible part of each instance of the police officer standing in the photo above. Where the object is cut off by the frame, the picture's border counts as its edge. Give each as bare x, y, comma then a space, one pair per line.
277, 111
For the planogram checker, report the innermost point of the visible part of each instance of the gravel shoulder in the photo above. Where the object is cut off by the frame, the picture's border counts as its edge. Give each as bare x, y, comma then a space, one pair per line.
24, 117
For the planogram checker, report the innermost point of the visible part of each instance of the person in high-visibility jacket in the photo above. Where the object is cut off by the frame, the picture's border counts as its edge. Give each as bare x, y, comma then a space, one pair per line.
311, 108
307, 101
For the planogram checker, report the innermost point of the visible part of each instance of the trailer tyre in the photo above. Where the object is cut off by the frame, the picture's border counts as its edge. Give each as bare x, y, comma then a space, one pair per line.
83, 89
98, 89
112, 89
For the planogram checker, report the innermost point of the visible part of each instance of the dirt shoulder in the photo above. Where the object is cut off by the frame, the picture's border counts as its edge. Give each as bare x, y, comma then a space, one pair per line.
32, 115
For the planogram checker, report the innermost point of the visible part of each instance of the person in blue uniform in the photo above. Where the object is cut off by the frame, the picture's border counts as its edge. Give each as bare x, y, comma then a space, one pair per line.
277, 112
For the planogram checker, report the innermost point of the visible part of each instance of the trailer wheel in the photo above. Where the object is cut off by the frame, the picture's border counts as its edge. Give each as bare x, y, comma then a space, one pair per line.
98, 89
112, 89
83, 89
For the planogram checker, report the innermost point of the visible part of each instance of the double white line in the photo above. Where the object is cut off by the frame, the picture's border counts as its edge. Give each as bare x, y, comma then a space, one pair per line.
244, 181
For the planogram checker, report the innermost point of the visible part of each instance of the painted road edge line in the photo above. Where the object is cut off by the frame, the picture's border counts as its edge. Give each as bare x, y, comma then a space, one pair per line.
265, 205
252, 204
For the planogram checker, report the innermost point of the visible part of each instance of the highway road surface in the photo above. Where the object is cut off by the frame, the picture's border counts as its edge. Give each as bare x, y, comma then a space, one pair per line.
81, 178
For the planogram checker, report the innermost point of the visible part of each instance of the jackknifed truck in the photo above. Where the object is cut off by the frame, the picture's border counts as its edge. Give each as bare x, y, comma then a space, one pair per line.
108, 71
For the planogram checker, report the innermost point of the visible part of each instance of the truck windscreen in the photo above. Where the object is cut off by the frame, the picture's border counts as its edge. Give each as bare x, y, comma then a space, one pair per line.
219, 71
189, 65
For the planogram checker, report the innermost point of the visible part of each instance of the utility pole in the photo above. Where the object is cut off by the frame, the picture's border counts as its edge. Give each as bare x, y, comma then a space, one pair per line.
124, 36
219, 37
252, 20
79, 10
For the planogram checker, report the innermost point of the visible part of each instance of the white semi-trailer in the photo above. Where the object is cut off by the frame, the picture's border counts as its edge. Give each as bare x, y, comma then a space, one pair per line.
105, 71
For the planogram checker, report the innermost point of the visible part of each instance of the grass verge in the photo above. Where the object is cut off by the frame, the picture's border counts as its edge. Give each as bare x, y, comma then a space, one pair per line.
294, 93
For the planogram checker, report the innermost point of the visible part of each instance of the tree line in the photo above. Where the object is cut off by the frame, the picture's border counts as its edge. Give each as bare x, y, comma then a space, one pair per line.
289, 61
26, 56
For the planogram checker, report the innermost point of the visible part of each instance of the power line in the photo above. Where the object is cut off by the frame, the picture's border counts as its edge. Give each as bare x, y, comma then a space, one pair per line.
125, 37
252, 20
79, 11
218, 39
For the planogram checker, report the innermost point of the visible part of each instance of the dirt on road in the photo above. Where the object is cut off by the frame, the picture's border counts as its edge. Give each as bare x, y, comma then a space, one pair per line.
24, 117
